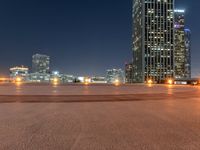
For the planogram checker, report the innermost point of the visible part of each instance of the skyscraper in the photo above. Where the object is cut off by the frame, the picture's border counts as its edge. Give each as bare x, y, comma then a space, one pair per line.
182, 46
153, 40
41, 64
187, 53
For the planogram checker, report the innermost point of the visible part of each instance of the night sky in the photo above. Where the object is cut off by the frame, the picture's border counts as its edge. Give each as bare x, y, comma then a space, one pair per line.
82, 37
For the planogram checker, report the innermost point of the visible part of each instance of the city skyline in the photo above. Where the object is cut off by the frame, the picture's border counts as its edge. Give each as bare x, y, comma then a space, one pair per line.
67, 50
106, 75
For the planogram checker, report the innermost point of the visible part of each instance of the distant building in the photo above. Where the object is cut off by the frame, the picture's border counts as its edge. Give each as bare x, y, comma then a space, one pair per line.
65, 78
98, 80
80, 79
129, 73
114, 75
62, 78
40, 64
39, 77
191, 81
21, 72
55, 76
182, 46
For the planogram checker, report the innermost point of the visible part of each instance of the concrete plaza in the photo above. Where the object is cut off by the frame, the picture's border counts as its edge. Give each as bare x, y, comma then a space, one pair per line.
99, 117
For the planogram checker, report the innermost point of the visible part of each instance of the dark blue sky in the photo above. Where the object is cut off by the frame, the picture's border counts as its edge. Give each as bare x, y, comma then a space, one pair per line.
83, 37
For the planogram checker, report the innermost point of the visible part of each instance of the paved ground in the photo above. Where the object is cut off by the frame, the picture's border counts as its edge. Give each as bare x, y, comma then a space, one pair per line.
96, 89
158, 118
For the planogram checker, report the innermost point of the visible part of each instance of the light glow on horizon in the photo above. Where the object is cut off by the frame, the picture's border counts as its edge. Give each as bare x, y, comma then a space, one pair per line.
150, 81
170, 81
18, 79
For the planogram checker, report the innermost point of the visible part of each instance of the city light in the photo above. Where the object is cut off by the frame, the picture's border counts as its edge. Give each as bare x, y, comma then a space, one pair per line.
87, 81
2, 79
18, 79
55, 81
55, 73
117, 82
150, 81
179, 10
170, 81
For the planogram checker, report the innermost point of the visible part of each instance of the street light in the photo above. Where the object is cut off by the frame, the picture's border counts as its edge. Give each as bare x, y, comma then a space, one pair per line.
170, 81
55, 81
87, 81
18, 79
149, 81
117, 82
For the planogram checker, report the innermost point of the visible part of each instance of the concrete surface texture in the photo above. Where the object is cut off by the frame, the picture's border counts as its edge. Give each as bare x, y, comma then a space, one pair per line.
152, 121
28, 89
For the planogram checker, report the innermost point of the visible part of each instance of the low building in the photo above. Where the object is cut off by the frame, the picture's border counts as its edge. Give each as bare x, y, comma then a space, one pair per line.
100, 80
65, 78
187, 81
62, 78
39, 77
19, 72
115, 75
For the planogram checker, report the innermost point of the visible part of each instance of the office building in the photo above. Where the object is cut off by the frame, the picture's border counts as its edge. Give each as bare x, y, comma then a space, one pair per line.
39, 77
187, 54
153, 40
41, 64
65, 78
180, 49
182, 46
115, 75
21, 72
129, 73
62, 78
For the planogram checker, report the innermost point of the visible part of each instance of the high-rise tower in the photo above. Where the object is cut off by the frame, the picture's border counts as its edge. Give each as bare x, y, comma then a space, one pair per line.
179, 53
187, 53
182, 46
153, 40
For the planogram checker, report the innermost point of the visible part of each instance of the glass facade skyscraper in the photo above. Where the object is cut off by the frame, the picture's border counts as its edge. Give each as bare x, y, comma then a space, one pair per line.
179, 53
187, 53
153, 40
182, 47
